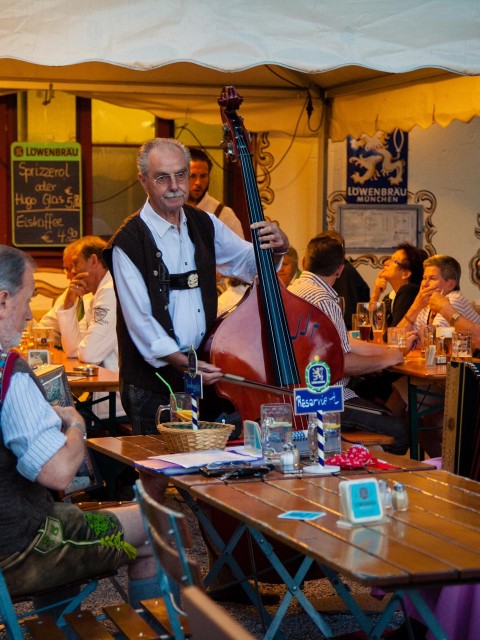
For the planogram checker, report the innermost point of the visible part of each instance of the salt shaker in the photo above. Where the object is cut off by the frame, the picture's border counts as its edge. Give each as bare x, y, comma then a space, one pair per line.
399, 497
385, 494
290, 459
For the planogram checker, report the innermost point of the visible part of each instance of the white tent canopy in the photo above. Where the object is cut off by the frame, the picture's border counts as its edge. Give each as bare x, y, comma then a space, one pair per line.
172, 57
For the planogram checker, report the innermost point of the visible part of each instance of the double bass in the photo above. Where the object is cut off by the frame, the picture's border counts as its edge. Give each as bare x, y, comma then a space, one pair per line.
265, 344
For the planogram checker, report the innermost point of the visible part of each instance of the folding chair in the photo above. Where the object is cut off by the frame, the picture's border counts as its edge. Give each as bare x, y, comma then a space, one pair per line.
208, 620
39, 625
169, 535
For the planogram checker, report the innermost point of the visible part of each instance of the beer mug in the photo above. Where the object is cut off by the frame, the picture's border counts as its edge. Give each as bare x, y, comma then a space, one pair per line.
178, 410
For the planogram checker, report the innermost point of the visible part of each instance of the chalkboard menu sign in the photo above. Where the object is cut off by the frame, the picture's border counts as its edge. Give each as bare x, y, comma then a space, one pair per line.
46, 193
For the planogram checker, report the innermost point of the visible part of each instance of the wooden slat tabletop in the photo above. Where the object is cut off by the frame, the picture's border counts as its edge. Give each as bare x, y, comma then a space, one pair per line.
105, 380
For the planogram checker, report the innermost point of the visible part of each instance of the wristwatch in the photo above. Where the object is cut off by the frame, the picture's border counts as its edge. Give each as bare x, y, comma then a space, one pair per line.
454, 318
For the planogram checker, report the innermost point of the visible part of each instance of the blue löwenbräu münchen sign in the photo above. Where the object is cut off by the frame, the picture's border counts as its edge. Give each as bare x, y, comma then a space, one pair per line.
377, 168
46, 193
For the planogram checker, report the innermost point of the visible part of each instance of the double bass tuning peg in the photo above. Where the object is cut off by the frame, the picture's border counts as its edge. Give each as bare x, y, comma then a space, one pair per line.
227, 143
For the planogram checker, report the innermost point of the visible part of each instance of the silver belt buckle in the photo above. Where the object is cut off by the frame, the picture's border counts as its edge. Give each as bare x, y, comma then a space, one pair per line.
192, 280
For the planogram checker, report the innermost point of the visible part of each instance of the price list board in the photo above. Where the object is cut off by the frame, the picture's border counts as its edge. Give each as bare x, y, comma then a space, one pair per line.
46, 194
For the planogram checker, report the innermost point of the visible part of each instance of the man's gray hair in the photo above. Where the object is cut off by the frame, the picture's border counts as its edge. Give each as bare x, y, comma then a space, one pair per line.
13, 263
159, 143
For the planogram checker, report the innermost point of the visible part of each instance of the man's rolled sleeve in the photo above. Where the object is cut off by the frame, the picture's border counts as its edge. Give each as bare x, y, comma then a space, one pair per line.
165, 346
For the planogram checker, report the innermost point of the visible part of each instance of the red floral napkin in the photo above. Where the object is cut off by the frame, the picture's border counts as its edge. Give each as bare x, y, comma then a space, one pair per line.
356, 457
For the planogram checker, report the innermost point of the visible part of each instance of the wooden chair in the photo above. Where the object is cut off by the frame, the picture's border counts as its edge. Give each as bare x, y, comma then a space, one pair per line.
39, 625
47, 289
209, 621
169, 535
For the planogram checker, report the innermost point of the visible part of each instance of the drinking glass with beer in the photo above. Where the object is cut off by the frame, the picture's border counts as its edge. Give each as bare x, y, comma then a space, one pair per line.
377, 310
364, 320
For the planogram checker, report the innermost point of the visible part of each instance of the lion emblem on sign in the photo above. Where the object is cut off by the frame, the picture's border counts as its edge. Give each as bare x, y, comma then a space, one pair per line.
374, 159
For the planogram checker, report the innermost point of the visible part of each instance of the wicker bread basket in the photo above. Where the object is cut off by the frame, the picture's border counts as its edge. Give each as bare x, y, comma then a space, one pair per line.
179, 437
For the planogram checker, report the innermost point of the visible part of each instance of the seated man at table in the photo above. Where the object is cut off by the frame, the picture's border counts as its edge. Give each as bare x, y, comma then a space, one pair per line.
41, 449
92, 339
50, 320
322, 264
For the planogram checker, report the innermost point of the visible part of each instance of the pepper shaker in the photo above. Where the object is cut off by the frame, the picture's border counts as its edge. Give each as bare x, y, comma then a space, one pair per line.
399, 497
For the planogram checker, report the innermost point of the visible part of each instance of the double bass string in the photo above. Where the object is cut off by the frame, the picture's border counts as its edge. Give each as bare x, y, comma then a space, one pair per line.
282, 352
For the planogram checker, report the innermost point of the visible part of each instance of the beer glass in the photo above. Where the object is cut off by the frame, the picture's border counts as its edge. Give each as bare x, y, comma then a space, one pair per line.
462, 347
377, 310
276, 427
364, 320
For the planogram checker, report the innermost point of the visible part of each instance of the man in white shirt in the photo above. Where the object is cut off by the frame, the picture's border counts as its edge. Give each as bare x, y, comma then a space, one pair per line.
47, 544
163, 261
441, 280
92, 339
49, 320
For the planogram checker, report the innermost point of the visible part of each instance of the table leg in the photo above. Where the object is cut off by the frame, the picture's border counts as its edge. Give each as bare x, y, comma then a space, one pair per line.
112, 413
413, 418
294, 588
422, 608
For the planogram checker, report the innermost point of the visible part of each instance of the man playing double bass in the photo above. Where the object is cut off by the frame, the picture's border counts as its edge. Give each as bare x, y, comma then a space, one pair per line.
163, 260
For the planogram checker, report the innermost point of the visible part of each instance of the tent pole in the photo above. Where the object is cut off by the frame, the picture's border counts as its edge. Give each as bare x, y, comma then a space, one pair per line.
323, 157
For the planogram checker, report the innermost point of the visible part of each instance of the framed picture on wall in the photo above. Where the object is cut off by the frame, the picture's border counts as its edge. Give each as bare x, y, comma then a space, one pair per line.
379, 228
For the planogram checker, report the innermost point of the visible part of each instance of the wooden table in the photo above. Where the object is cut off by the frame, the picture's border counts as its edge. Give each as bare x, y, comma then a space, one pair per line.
437, 541
418, 377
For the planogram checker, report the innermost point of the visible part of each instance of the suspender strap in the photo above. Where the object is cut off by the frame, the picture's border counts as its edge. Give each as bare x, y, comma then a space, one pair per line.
7, 362
218, 210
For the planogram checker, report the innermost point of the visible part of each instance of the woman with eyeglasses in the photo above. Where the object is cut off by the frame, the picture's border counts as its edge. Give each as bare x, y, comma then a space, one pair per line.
403, 271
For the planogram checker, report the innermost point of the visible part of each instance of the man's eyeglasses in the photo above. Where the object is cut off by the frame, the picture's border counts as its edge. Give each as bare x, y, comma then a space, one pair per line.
168, 178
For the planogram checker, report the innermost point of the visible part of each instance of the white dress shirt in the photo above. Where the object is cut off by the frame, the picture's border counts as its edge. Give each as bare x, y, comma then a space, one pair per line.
93, 339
